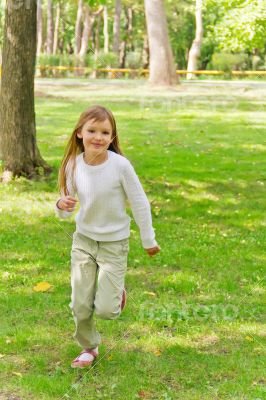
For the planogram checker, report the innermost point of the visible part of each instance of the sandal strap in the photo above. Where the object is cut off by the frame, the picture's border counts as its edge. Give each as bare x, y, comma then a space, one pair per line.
88, 351
92, 352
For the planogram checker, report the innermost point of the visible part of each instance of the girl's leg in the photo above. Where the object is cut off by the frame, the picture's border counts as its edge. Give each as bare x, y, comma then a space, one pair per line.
112, 261
83, 283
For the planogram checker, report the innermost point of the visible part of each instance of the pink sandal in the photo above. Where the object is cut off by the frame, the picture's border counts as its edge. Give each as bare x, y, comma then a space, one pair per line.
77, 363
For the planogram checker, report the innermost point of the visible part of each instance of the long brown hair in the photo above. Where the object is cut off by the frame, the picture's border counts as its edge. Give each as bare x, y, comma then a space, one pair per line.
75, 144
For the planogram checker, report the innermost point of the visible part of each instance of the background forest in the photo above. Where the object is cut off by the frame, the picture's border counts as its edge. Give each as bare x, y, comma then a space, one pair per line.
112, 33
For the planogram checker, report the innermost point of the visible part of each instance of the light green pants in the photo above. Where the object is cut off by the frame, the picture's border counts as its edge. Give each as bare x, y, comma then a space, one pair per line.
97, 279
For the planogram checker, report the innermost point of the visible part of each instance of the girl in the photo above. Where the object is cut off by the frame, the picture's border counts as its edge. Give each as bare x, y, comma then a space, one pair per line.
95, 169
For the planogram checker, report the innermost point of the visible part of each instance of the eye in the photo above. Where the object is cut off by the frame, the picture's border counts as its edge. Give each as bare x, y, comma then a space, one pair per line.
106, 133
91, 130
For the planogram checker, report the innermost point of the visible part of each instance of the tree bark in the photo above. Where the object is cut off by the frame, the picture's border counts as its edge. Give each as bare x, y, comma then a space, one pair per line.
130, 28
194, 52
78, 28
88, 22
105, 30
145, 53
97, 36
50, 27
39, 27
126, 43
20, 154
116, 27
162, 67
56, 29
122, 54
62, 31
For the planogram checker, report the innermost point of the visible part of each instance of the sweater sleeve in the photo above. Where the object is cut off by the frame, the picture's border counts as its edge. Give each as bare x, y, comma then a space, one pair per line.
139, 204
71, 190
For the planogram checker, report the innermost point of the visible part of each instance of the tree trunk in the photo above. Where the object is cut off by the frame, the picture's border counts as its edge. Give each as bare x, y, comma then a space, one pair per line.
78, 28
122, 54
88, 22
127, 39
56, 29
162, 68
62, 31
97, 36
105, 29
145, 53
194, 52
50, 27
39, 27
130, 28
17, 130
116, 27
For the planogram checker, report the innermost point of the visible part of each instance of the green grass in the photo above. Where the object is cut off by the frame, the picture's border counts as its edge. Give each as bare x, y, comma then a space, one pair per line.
193, 325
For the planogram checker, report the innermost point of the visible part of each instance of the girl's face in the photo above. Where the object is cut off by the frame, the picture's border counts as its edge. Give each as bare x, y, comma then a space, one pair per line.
96, 136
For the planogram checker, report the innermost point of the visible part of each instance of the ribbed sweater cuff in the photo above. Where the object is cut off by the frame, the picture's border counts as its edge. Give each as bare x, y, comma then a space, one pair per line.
149, 243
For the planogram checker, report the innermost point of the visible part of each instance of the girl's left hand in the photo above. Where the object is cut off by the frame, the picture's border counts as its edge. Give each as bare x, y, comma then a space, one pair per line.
152, 251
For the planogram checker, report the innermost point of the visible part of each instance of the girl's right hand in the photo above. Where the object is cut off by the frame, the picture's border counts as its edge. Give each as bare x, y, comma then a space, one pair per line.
67, 203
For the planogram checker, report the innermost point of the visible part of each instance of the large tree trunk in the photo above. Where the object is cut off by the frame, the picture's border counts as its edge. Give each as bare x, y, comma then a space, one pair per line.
50, 27
78, 28
20, 154
162, 68
105, 29
194, 52
39, 27
116, 27
56, 29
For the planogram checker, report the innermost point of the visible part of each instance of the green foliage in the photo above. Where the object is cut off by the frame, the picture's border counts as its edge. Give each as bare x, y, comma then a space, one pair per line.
180, 17
105, 60
134, 60
235, 26
45, 59
239, 26
228, 62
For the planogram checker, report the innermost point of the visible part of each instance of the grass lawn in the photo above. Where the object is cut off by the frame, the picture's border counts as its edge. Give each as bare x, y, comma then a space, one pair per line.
193, 326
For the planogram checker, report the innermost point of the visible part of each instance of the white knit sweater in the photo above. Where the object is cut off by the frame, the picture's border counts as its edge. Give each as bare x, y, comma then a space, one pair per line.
102, 191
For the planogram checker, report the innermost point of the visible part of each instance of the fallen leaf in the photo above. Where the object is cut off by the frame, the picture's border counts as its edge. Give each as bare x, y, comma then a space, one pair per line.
142, 394
42, 287
250, 339
157, 352
2, 355
150, 293
17, 374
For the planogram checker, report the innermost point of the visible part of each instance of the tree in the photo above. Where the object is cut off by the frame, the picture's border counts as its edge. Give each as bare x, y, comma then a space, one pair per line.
78, 27
39, 26
116, 26
88, 21
19, 150
162, 68
242, 27
194, 52
56, 29
105, 29
127, 36
50, 27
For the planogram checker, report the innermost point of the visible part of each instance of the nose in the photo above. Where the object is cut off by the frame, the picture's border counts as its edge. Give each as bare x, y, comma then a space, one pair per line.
98, 136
